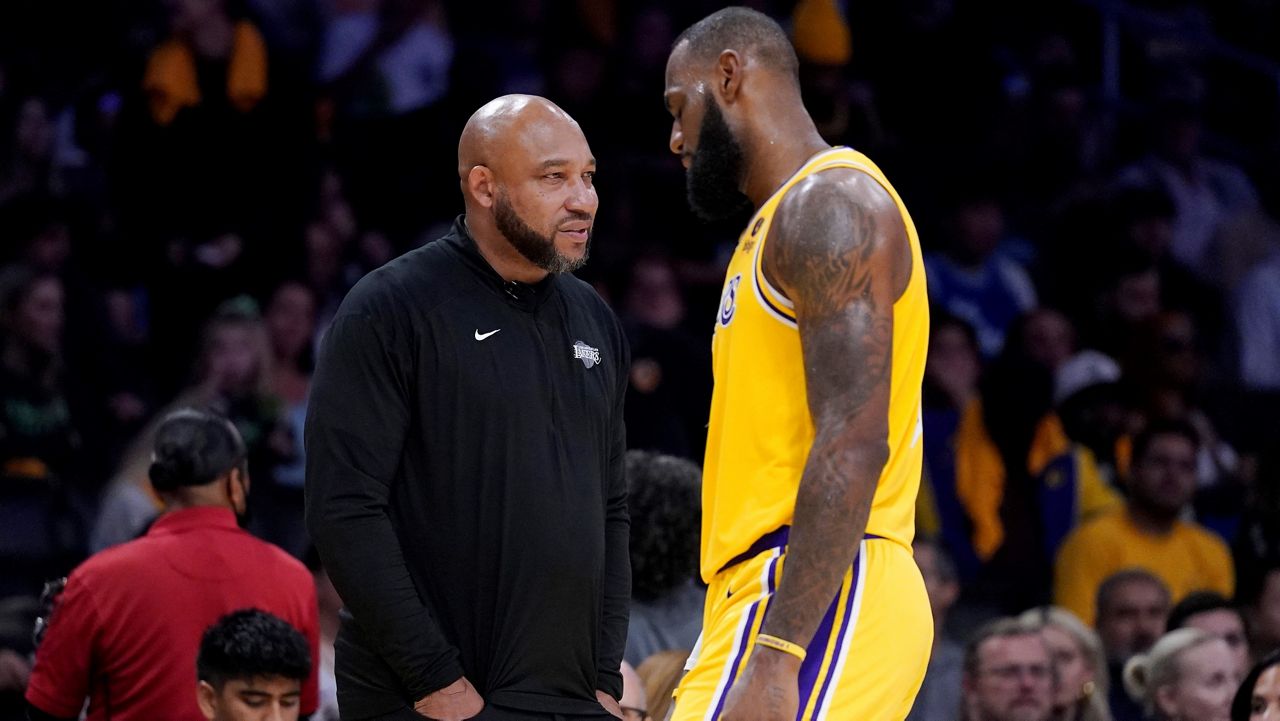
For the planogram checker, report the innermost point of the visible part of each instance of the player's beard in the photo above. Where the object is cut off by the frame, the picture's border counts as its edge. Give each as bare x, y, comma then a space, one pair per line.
716, 170
537, 248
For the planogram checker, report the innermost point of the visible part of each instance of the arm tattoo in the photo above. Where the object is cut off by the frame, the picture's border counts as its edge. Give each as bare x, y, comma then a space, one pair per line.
833, 252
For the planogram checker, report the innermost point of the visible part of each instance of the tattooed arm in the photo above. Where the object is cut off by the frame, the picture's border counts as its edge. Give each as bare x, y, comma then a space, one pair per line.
839, 250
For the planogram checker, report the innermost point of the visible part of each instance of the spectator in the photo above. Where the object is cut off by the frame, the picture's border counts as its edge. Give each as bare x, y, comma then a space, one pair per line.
1128, 294
207, 46
1079, 485
29, 159
233, 377
330, 605
939, 696
1164, 364
1188, 674
1257, 324
251, 665
670, 368
1133, 606
1149, 531
661, 673
1259, 696
959, 499
40, 533
634, 703
125, 631
667, 597
1079, 664
1215, 615
1143, 221
290, 321
37, 439
1008, 674
1205, 192
1259, 599
1046, 336
974, 281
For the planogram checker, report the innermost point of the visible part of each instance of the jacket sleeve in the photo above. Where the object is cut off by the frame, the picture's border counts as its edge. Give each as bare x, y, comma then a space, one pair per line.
617, 584
357, 422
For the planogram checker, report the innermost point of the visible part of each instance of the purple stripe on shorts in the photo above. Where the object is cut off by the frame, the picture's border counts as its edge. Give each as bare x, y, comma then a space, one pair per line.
844, 625
814, 653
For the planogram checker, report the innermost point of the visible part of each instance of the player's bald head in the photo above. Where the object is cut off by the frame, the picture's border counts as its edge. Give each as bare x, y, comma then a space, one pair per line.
510, 127
746, 31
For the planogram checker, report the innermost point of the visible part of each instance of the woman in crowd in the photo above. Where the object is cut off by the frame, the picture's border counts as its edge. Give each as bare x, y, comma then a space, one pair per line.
1188, 674
1259, 696
1079, 662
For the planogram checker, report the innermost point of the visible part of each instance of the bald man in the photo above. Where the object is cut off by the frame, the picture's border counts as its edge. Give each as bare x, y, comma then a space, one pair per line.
465, 451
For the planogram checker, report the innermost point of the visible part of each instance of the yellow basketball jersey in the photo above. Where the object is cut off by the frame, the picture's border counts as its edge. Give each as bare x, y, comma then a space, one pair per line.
761, 431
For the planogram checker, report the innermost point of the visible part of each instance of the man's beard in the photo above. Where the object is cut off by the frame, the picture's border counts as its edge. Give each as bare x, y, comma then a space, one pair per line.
716, 170
536, 248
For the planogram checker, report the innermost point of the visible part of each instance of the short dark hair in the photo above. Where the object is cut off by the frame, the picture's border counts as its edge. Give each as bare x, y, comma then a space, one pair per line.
1167, 427
249, 644
742, 29
193, 448
1242, 704
1198, 603
1113, 583
666, 521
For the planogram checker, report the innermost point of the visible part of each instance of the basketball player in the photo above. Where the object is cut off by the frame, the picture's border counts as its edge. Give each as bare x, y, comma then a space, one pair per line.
815, 608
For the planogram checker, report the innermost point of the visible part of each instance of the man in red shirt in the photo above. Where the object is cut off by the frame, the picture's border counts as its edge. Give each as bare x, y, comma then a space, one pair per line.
125, 632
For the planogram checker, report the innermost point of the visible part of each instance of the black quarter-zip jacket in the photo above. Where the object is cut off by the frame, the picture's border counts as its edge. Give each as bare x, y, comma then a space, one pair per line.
465, 485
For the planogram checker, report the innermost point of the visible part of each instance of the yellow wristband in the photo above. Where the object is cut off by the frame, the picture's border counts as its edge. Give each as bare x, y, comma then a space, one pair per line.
782, 645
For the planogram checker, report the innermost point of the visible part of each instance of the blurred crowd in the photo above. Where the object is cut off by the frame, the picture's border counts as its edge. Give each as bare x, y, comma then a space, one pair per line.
189, 187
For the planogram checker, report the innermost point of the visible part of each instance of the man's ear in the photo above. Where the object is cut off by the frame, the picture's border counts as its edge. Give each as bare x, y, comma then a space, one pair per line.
207, 699
729, 70
480, 186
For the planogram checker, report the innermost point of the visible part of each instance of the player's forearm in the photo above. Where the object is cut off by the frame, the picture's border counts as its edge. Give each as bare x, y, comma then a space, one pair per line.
832, 507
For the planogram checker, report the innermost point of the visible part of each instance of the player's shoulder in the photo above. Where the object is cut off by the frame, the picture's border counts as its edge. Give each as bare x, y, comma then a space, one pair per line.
835, 190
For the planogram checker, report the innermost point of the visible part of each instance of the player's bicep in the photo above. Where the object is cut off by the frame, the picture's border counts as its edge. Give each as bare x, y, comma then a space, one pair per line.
834, 254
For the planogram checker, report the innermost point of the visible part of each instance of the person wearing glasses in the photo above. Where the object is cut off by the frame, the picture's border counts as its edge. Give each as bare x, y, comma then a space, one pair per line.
1008, 674
125, 631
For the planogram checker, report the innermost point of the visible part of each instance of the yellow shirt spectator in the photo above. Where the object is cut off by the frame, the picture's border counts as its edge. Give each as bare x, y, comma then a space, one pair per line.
1187, 558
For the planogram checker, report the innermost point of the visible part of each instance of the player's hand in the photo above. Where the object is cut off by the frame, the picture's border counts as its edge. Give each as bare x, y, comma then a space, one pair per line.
768, 690
610, 703
456, 702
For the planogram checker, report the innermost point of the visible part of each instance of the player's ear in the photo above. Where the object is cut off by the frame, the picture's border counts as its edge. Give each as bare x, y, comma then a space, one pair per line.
206, 698
729, 68
480, 185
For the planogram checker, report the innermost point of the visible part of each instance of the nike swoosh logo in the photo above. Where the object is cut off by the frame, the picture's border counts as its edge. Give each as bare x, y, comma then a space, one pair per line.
482, 336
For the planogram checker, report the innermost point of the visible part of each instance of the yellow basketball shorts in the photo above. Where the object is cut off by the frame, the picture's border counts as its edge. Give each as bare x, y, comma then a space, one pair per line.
866, 661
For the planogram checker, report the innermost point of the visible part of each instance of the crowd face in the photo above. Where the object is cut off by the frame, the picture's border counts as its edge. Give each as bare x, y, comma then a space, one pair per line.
1012, 682
1132, 619
1071, 665
1164, 478
39, 317
1226, 624
1207, 681
1265, 704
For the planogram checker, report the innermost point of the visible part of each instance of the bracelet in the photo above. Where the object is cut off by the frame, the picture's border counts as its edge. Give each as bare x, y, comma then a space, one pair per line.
782, 645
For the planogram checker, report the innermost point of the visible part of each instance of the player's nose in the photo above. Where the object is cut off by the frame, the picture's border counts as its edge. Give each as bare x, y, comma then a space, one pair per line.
676, 142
